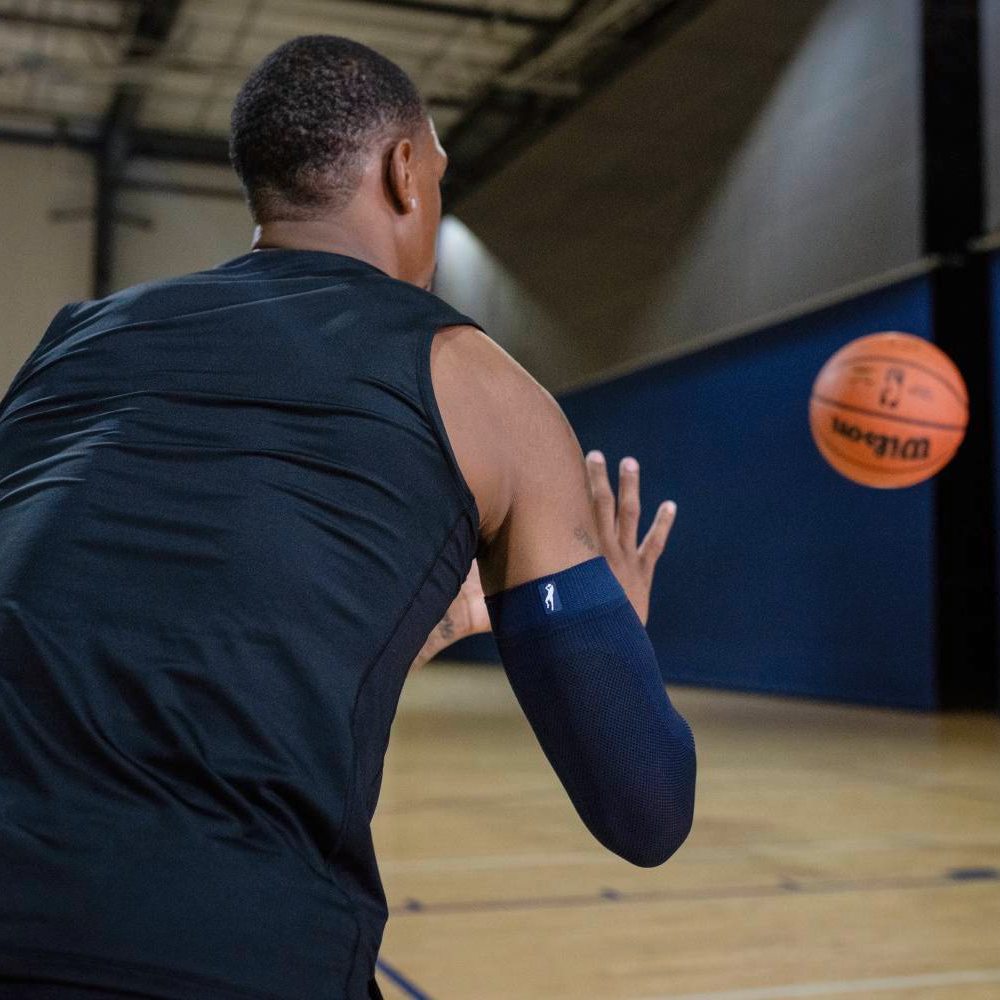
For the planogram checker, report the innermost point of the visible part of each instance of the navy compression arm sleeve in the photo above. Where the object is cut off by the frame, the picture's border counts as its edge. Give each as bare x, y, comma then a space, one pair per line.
584, 671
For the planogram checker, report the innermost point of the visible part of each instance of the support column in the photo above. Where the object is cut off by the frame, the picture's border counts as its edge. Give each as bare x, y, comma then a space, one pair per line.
110, 161
953, 217
153, 25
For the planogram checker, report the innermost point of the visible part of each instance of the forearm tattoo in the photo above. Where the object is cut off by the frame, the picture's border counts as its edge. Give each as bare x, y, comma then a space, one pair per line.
581, 534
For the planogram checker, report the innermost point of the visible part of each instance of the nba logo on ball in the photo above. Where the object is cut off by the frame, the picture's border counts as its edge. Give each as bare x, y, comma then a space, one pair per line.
550, 597
889, 410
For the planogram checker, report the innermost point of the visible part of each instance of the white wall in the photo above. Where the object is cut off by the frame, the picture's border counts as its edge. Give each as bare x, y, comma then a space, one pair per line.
50, 263
766, 154
188, 232
46, 263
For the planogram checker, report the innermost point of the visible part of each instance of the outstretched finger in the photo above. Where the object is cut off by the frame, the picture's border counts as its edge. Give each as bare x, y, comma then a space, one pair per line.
602, 498
628, 503
656, 538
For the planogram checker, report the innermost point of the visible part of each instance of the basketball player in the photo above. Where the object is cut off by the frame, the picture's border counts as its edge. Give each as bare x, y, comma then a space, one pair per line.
235, 508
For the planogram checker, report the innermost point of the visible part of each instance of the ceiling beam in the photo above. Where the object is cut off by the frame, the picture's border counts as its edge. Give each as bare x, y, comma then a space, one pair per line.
501, 122
152, 28
59, 23
153, 144
464, 148
50, 137
183, 188
501, 125
470, 12
194, 147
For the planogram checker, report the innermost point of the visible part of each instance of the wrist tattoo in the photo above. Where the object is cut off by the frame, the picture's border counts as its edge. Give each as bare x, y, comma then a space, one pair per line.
581, 534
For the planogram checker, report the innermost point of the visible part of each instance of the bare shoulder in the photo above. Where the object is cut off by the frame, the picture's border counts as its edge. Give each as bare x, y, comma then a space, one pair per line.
481, 357
519, 455
497, 415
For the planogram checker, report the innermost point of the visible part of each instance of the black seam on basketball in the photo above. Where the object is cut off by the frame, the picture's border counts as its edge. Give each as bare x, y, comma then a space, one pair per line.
883, 469
913, 364
957, 428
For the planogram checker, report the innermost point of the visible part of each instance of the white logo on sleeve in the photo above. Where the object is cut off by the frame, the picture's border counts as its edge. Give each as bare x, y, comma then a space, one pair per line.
550, 597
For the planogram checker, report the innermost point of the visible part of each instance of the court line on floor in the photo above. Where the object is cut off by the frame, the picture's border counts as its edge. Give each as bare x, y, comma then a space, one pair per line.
786, 887
690, 855
843, 987
395, 976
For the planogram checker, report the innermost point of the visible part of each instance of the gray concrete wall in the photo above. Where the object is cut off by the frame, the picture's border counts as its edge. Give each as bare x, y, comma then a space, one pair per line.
473, 279
766, 154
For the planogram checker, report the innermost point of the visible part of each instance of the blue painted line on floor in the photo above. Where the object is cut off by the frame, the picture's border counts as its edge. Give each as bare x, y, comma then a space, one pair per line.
415, 907
974, 874
409, 988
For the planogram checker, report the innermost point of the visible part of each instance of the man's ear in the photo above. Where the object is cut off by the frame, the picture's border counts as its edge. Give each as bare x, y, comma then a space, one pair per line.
400, 182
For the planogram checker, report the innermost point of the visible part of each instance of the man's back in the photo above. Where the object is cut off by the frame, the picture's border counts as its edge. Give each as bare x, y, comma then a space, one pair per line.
230, 517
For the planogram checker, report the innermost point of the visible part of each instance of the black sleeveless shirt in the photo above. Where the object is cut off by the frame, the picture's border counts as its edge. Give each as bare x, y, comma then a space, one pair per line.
229, 519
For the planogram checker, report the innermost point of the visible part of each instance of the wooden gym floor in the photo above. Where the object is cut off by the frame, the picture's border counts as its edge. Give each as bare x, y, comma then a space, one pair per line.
836, 852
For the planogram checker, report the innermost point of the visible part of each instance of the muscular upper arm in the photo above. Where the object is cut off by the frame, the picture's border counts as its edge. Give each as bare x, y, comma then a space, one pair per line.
520, 457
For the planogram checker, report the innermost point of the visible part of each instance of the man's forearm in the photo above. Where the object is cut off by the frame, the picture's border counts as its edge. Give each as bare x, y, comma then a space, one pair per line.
444, 634
588, 680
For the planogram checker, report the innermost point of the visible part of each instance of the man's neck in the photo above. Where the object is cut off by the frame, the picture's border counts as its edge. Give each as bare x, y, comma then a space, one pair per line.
330, 236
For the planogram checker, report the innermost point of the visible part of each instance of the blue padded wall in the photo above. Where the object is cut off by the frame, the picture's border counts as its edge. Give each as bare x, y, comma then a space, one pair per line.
780, 575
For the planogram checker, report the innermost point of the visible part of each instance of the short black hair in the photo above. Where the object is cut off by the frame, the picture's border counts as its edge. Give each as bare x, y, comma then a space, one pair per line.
305, 118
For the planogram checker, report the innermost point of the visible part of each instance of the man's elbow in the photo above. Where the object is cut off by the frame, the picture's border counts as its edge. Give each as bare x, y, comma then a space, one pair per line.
657, 846
663, 850
647, 837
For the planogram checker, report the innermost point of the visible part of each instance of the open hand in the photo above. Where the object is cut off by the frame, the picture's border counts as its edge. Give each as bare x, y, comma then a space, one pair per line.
466, 615
467, 612
618, 527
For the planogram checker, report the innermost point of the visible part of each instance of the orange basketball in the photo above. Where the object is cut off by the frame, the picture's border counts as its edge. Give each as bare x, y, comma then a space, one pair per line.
889, 410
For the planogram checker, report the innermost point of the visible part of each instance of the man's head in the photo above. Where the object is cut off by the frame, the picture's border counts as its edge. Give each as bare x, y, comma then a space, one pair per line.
328, 129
